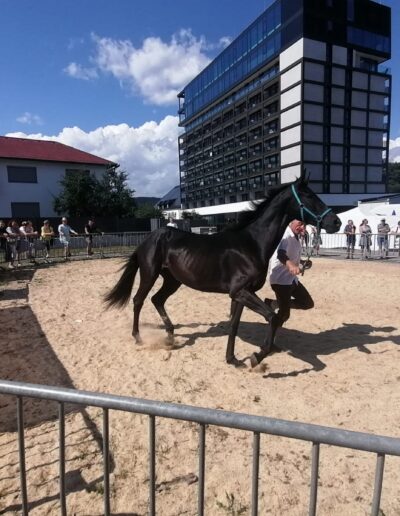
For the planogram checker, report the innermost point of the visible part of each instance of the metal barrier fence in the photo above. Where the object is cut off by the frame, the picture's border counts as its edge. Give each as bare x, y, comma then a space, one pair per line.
118, 244
317, 435
108, 244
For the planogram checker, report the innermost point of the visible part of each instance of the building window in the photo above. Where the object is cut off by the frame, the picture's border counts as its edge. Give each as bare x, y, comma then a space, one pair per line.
25, 210
350, 10
21, 174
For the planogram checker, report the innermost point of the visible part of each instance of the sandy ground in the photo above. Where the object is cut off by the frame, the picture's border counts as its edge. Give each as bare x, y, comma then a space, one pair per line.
339, 366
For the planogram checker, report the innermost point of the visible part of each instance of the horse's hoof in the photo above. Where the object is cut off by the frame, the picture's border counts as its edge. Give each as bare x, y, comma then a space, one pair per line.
254, 360
138, 339
170, 339
236, 363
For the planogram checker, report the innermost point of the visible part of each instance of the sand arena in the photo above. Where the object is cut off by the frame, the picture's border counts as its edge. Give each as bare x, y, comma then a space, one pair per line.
338, 367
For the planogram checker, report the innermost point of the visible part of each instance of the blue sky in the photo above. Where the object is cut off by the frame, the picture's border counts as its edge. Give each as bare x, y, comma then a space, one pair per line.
103, 76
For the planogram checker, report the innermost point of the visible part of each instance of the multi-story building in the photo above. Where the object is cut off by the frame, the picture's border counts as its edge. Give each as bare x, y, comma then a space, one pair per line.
31, 172
302, 86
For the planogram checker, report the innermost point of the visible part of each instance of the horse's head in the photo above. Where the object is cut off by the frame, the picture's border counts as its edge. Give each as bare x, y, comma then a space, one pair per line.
308, 207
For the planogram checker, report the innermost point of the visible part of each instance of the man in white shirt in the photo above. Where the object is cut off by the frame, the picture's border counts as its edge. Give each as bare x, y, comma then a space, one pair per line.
65, 231
171, 223
286, 265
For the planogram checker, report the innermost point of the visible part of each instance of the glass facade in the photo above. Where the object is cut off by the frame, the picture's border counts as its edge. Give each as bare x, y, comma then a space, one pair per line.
369, 40
256, 45
251, 119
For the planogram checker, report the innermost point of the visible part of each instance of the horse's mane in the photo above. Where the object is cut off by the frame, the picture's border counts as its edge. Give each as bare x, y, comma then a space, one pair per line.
256, 208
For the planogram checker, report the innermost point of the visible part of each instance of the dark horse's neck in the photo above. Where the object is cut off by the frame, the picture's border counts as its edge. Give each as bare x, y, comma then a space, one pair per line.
268, 228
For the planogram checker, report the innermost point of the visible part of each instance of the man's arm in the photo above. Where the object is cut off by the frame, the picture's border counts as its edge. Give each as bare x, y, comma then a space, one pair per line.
284, 259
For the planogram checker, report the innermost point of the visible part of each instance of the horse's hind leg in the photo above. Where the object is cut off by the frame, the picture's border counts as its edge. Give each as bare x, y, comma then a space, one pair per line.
236, 313
138, 300
169, 287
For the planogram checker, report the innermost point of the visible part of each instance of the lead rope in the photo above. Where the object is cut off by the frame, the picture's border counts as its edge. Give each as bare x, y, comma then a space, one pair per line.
306, 264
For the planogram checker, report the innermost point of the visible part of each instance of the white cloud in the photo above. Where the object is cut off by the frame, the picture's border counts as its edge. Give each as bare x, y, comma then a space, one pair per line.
148, 153
225, 41
157, 70
75, 43
394, 150
79, 72
29, 119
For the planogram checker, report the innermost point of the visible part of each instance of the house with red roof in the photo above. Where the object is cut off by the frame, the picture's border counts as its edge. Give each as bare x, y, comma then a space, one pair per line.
31, 171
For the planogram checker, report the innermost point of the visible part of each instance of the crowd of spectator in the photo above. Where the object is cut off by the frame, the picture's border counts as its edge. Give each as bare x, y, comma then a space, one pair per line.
365, 239
23, 241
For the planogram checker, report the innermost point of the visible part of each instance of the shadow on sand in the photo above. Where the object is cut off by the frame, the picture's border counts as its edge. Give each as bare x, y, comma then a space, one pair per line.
31, 359
307, 347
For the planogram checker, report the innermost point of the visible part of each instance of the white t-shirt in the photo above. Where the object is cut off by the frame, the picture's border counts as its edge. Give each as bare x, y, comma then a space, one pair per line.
64, 232
280, 274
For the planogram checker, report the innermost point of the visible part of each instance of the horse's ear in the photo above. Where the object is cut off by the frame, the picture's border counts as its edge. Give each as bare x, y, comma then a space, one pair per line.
304, 177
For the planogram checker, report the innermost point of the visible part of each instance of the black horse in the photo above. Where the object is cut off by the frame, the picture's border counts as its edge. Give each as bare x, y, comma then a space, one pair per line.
234, 261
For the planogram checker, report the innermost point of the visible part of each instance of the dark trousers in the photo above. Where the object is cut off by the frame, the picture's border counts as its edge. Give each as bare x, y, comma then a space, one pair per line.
290, 296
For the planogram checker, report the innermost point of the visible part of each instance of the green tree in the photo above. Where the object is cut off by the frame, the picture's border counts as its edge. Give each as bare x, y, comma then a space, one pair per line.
394, 178
83, 195
115, 197
78, 195
147, 211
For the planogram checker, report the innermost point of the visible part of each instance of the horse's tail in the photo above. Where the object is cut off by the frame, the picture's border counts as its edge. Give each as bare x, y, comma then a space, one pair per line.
119, 295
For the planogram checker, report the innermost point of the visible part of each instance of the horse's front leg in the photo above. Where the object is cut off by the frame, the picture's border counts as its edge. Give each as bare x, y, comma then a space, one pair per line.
236, 313
256, 358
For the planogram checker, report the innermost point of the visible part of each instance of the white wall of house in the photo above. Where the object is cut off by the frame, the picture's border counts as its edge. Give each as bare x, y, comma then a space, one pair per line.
49, 175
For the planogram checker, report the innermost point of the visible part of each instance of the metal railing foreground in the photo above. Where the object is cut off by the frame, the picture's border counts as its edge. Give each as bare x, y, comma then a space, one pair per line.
317, 435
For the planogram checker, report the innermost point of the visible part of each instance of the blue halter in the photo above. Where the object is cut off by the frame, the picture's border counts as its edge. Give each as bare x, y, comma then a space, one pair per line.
303, 208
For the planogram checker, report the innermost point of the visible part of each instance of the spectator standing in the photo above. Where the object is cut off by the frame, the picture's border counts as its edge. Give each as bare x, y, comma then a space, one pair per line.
91, 228
383, 239
171, 223
350, 232
396, 231
365, 239
304, 239
316, 241
64, 232
13, 241
23, 245
30, 235
4, 247
47, 235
